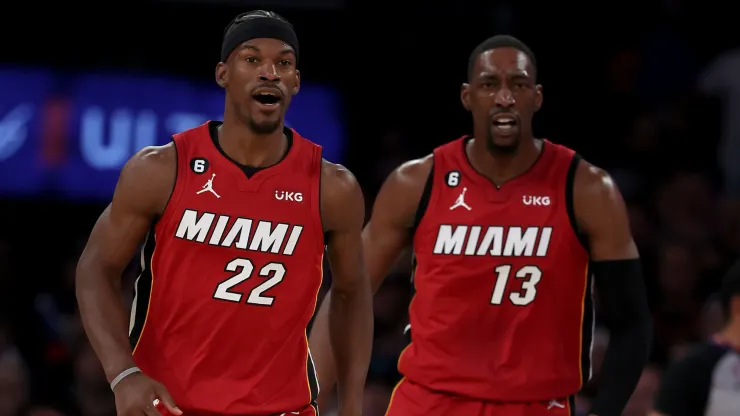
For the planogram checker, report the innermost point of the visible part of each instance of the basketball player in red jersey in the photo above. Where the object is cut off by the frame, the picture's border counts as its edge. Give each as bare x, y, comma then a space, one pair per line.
507, 232
234, 216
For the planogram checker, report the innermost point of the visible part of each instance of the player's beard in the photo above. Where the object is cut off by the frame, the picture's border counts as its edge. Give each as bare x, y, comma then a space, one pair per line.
497, 149
264, 127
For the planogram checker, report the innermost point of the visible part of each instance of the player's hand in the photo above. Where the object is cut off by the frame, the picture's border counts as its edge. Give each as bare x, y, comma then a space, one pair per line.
136, 395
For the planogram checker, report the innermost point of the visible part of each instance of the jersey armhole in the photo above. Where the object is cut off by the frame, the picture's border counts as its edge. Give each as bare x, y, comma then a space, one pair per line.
569, 199
426, 196
177, 187
316, 196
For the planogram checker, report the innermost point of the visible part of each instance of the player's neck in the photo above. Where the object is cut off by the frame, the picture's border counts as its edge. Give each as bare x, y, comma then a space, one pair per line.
248, 148
501, 167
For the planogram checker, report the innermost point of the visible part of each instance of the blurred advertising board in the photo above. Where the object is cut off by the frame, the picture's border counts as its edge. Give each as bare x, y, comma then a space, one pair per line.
70, 134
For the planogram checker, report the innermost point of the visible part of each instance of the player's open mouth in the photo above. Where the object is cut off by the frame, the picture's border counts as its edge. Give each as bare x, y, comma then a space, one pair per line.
505, 122
267, 98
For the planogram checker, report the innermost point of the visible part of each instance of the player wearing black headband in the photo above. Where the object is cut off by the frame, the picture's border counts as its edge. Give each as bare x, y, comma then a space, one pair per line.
236, 216
508, 233
256, 96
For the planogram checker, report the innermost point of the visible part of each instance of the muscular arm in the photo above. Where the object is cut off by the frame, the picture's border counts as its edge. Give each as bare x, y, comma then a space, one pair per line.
383, 239
350, 323
602, 216
389, 230
143, 188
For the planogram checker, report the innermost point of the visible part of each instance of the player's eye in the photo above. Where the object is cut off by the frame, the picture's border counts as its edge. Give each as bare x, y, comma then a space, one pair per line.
251, 59
285, 62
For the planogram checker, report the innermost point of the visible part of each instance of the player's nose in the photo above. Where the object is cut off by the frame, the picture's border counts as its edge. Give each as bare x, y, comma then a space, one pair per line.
269, 73
504, 97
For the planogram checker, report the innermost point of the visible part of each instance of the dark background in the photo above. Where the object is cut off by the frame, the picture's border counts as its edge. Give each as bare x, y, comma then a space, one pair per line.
641, 88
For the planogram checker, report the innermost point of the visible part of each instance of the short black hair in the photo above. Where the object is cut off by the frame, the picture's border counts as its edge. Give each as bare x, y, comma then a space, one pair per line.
253, 15
730, 288
501, 41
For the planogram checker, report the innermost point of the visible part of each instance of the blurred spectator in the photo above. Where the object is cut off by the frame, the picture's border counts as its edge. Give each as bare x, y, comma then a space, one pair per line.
91, 389
14, 383
721, 79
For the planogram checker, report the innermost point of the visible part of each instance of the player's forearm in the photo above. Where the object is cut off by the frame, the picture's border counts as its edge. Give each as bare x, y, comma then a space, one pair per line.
621, 369
625, 310
321, 352
104, 318
351, 333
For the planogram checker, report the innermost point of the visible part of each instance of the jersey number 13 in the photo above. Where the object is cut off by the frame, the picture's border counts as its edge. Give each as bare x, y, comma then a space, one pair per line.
530, 276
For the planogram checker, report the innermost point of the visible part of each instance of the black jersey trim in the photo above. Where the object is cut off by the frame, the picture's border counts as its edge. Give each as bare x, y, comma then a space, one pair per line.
572, 406
426, 196
312, 378
412, 293
249, 171
587, 329
570, 179
143, 291
324, 233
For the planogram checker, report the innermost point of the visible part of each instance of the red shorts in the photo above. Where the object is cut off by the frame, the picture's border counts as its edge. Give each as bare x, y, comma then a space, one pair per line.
310, 410
409, 399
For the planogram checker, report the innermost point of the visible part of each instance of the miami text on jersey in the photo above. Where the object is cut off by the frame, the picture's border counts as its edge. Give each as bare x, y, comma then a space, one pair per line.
267, 237
477, 240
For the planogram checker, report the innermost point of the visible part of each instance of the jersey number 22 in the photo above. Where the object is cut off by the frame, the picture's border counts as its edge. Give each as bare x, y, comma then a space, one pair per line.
244, 268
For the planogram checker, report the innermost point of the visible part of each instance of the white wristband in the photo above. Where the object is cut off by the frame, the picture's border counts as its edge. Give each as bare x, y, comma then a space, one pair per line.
124, 374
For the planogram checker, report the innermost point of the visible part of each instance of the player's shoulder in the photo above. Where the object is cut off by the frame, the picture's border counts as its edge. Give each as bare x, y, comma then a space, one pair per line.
338, 184
593, 182
401, 195
335, 176
299, 137
152, 162
412, 174
303, 144
342, 201
453, 146
196, 134
148, 178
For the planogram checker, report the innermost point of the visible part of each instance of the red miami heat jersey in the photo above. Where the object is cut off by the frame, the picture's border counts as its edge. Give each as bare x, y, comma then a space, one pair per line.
502, 307
230, 279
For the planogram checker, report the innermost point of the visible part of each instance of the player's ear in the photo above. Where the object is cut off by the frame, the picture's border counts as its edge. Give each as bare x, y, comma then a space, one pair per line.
465, 95
221, 75
537, 97
297, 82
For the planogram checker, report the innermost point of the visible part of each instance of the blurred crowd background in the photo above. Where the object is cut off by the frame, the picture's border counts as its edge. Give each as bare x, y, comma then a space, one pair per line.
649, 90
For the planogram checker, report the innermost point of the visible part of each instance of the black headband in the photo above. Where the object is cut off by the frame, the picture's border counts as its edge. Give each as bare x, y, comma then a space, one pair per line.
258, 27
